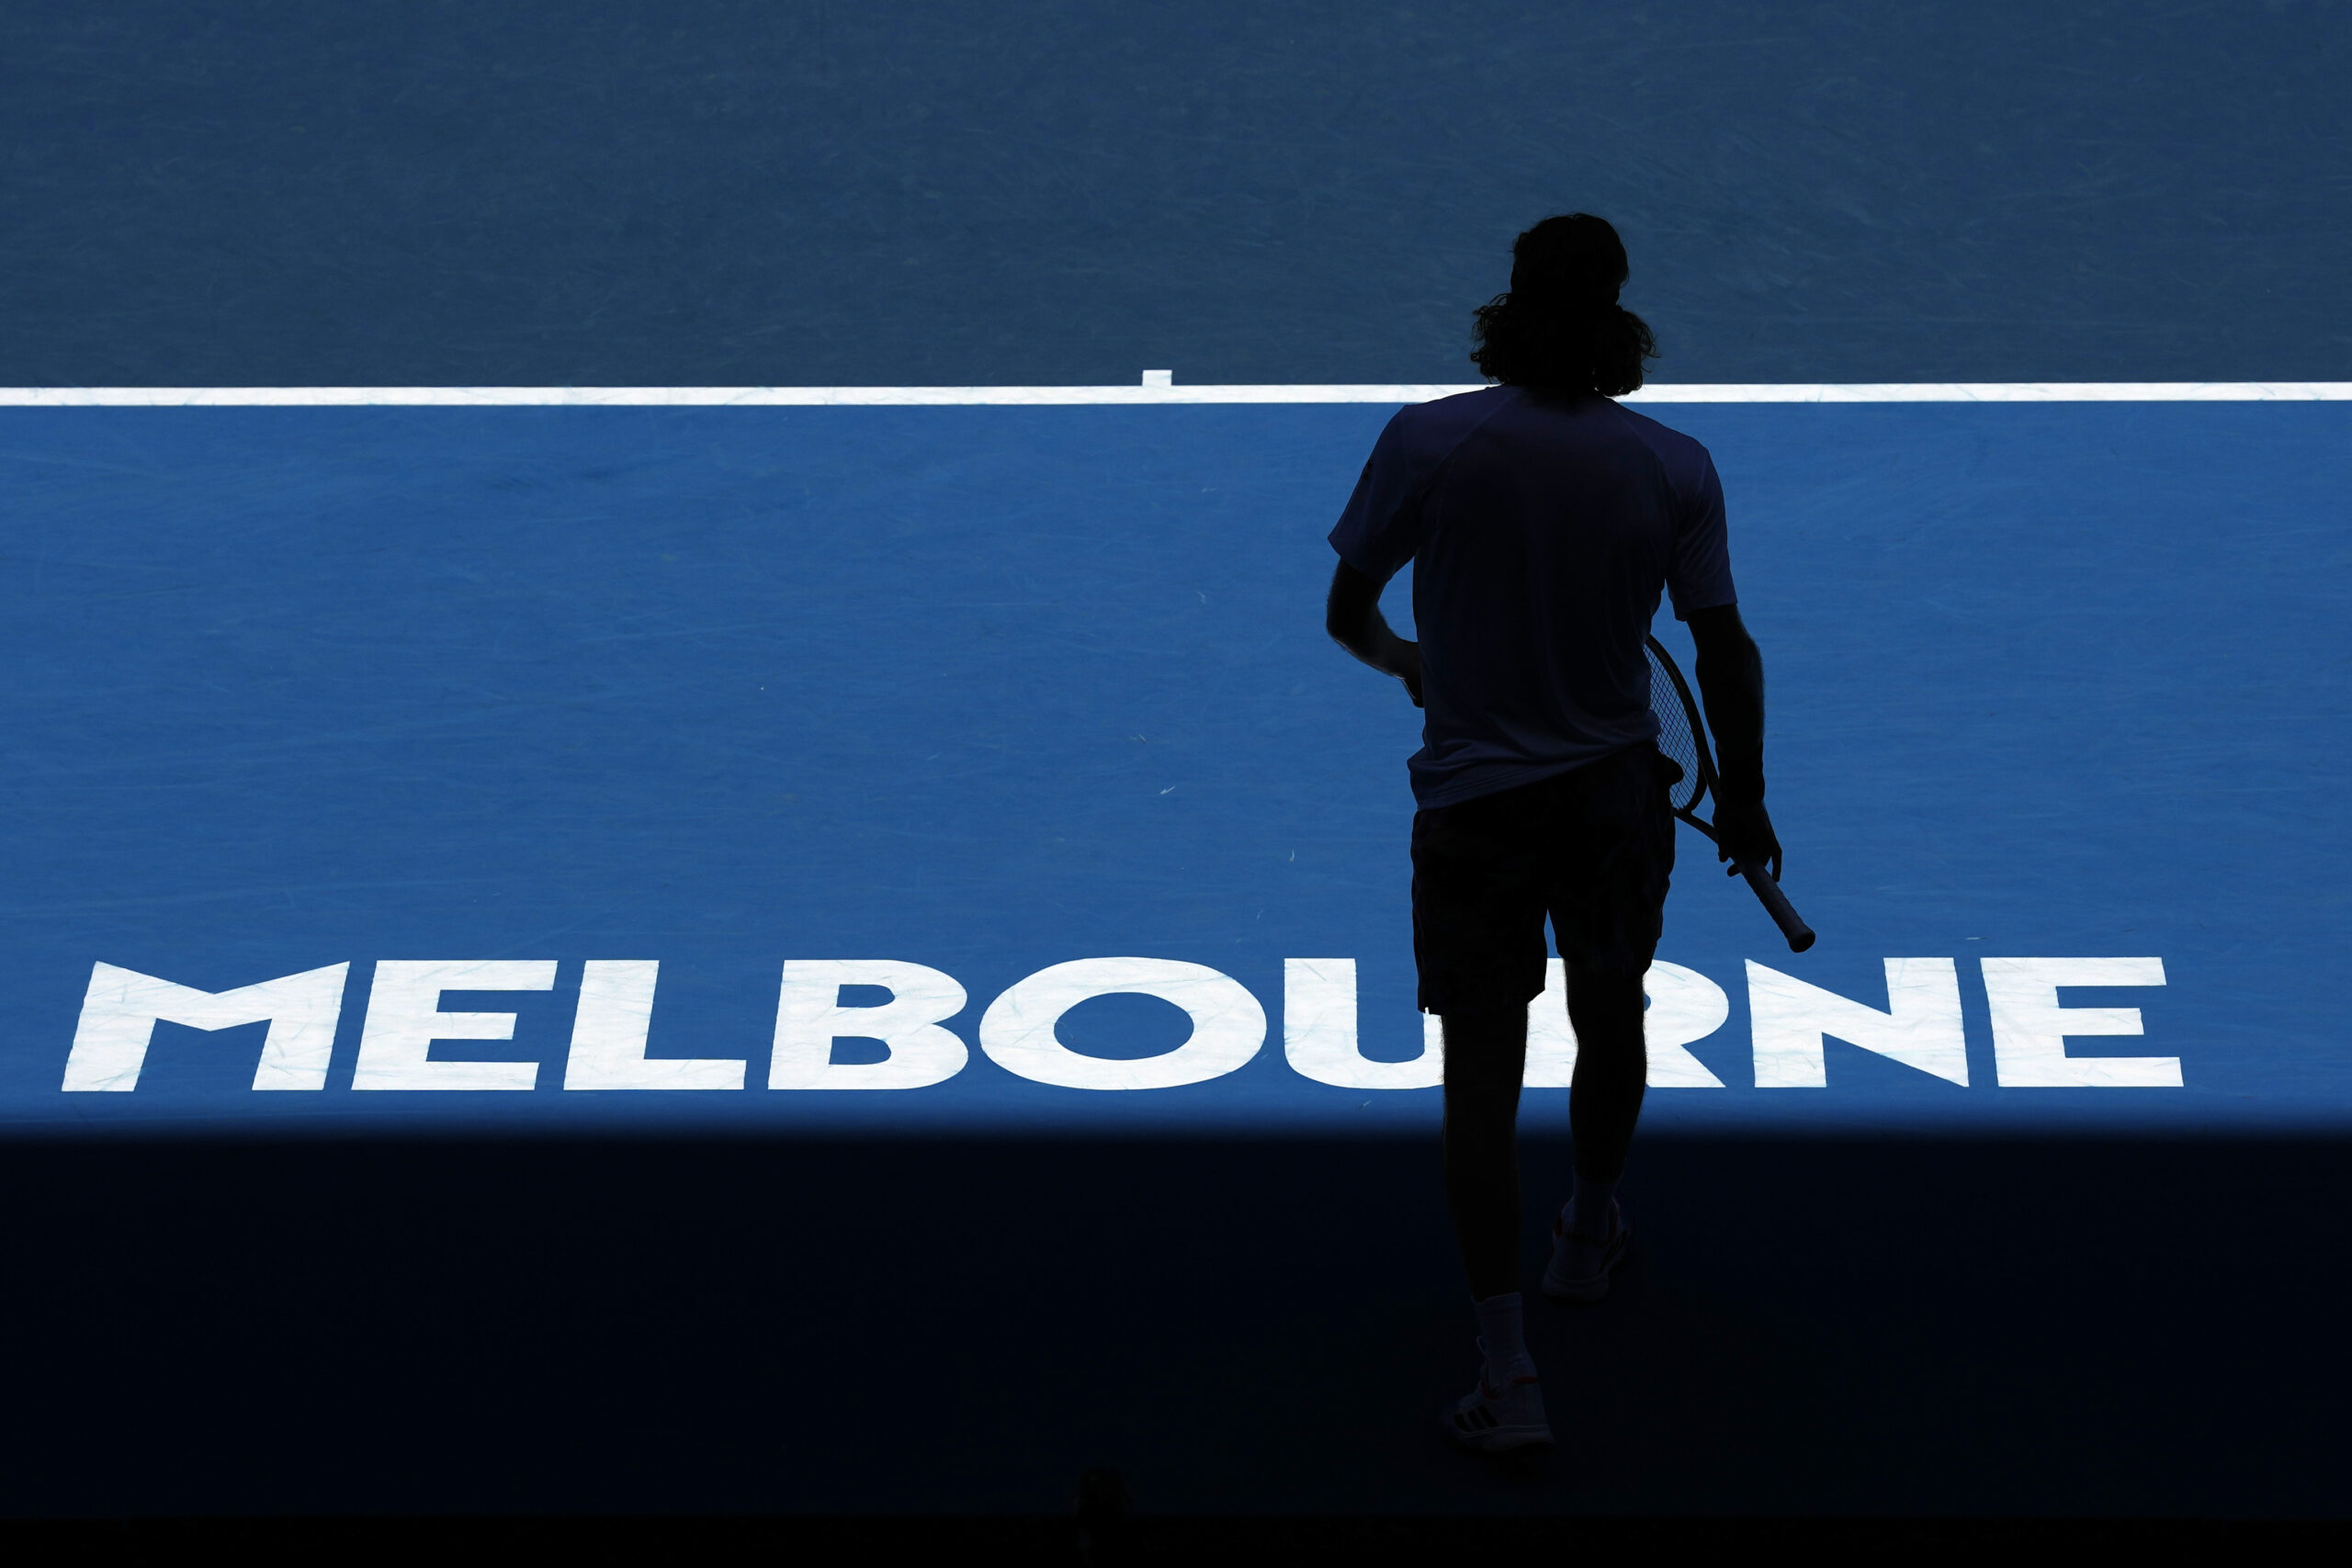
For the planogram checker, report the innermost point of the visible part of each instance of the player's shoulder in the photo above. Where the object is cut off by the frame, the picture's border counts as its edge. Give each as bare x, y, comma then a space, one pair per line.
1679, 450
1427, 433
1687, 467
1449, 418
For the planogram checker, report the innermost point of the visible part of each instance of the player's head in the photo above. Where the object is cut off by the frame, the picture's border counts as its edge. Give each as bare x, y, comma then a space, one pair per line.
1560, 328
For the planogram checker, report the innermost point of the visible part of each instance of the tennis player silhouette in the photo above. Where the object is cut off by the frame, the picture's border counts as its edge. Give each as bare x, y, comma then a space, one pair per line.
1543, 521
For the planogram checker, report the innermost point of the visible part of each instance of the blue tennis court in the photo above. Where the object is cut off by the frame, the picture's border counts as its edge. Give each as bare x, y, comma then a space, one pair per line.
678, 843
691, 700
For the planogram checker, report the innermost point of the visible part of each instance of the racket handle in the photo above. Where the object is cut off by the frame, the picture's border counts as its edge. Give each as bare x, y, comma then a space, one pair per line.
1776, 904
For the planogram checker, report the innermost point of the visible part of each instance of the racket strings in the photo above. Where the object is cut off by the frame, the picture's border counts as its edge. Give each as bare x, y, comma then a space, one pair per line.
1676, 739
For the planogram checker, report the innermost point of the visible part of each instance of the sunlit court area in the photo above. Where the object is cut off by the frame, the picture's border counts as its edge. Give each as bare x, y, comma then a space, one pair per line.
683, 857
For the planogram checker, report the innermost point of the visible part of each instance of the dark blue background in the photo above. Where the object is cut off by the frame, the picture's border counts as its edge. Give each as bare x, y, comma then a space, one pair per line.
705, 192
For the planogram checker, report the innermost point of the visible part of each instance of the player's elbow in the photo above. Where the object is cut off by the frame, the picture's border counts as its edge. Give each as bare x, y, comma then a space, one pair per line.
1721, 639
1348, 605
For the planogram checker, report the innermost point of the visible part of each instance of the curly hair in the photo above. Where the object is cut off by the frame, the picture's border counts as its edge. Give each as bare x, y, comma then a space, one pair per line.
1560, 328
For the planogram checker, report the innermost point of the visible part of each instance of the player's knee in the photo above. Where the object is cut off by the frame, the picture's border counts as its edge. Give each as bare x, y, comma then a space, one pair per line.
1603, 992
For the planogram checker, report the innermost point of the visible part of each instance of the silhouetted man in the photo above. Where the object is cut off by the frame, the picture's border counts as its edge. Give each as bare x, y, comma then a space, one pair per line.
1543, 520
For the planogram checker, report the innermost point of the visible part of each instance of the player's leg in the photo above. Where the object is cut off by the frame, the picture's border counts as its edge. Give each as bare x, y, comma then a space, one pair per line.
1485, 1058
1479, 939
1613, 1070
1589, 1236
1607, 914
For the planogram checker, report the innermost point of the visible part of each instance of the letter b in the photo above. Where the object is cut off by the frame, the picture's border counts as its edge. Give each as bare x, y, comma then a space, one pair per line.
809, 1018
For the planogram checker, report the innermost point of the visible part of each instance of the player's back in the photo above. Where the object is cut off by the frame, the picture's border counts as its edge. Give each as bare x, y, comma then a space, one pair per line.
1541, 530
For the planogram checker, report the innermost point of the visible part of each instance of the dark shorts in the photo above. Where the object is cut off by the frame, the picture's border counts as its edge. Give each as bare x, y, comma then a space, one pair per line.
1592, 848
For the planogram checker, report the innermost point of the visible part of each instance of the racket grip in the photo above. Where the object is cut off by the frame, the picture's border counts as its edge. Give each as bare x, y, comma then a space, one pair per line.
1776, 904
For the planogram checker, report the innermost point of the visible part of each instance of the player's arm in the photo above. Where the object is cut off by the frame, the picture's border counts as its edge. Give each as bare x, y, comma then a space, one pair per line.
1730, 683
1351, 615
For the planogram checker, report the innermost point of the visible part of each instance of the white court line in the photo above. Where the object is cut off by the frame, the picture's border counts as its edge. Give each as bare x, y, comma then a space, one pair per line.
869, 397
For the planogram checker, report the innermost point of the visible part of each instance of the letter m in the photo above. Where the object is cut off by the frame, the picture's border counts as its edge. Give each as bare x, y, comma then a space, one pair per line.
122, 1008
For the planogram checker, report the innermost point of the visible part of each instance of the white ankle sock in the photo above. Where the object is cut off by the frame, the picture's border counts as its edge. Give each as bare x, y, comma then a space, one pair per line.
1506, 1344
1587, 1210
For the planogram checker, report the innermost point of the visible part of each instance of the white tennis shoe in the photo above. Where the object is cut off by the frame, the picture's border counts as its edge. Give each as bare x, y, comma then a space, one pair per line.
1580, 1264
1495, 1421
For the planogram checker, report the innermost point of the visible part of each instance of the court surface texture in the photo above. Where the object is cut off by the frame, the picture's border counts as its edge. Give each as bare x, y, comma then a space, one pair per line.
654, 952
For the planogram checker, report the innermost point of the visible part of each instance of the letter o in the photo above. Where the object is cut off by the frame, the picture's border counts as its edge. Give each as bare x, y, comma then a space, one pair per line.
1228, 1026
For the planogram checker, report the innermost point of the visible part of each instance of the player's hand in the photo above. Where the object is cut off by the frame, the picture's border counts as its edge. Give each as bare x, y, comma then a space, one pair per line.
1744, 833
1405, 663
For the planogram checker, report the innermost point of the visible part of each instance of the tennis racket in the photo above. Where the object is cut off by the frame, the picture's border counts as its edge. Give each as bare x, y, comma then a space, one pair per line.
1682, 736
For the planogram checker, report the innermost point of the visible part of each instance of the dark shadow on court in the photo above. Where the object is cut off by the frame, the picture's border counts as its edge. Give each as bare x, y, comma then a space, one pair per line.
2124, 1326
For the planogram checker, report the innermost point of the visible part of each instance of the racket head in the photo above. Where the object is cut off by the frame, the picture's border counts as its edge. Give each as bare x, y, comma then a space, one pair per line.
1681, 733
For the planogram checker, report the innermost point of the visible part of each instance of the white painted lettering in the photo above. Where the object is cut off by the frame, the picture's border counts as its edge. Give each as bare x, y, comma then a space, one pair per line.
2029, 1028
1319, 1032
609, 1031
405, 1018
122, 1006
809, 1018
1921, 1027
1228, 1026
1684, 1006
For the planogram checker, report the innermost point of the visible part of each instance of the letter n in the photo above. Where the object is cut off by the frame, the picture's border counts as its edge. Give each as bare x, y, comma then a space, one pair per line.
1921, 1027
122, 1006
